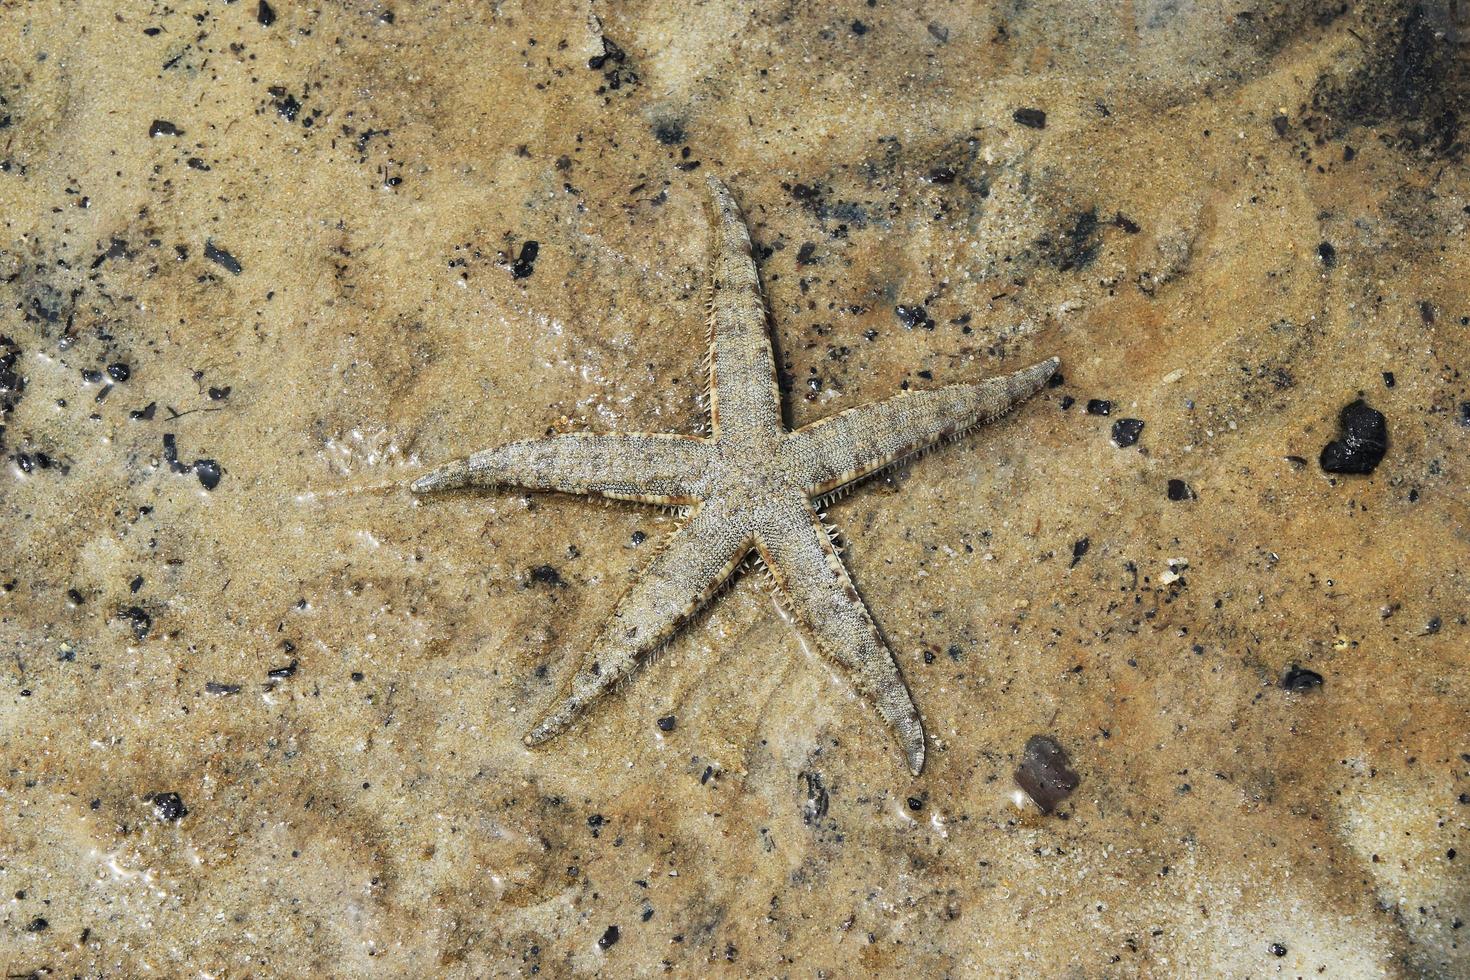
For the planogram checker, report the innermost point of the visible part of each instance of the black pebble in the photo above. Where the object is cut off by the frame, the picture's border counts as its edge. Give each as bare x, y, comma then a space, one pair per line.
219, 394
1099, 406
914, 316
1327, 254
1277, 949
1067, 402
223, 258
915, 804
1179, 490
1363, 443
1299, 679
1280, 124
162, 127
546, 575
38, 924
169, 807
1079, 549
145, 413
610, 938
1465, 414
91, 375
119, 371
1045, 773
1388, 379
859, 28
209, 472
1126, 432
142, 622
1033, 118
525, 264
667, 723
265, 14
1056, 380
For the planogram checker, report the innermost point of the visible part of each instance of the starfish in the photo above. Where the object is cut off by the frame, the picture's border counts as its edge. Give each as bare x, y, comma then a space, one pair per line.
750, 485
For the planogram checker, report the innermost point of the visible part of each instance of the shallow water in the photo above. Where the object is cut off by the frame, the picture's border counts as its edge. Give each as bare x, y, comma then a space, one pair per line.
1228, 226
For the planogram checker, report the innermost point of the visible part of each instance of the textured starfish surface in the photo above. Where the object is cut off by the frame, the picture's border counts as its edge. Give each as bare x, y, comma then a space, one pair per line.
749, 486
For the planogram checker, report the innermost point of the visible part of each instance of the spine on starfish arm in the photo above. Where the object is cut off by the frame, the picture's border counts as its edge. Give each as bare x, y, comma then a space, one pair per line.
859, 442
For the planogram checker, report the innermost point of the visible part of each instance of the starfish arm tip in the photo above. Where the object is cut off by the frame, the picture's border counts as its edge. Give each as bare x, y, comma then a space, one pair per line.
447, 477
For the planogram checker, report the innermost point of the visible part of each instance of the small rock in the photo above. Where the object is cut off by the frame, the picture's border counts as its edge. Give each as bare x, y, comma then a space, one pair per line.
667, 723
1030, 118
1179, 490
1099, 406
169, 807
208, 472
1126, 432
1045, 773
1299, 679
610, 938
1362, 445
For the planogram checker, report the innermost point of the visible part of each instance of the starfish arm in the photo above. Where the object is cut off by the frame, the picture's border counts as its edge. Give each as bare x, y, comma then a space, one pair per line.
692, 565
744, 398
813, 585
860, 441
652, 469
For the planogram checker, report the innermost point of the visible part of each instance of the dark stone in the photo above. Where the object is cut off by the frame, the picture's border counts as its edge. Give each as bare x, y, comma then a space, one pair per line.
547, 575
162, 127
669, 133
1280, 124
1464, 413
1179, 490
1079, 549
1099, 406
208, 471
119, 372
1126, 432
38, 924
525, 263
265, 14
1299, 679
914, 316
610, 938
220, 257
169, 807
1363, 443
1327, 254
1045, 773
140, 620
667, 723
1277, 949
1032, 118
